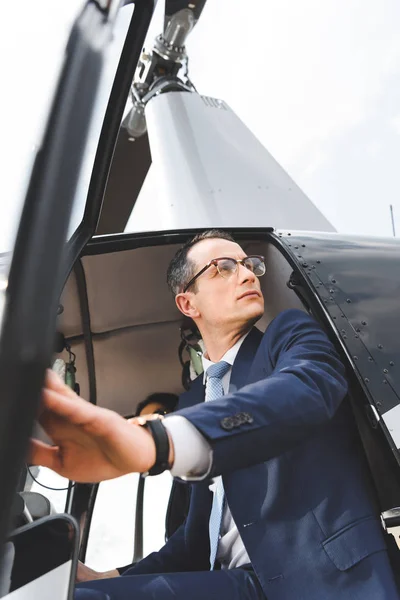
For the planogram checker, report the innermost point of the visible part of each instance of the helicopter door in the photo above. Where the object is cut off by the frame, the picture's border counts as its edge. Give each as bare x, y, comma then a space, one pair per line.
355, 282
27, 574
33, 273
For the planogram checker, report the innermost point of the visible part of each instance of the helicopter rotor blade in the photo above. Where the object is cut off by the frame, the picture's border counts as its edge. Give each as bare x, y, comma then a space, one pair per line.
129, 167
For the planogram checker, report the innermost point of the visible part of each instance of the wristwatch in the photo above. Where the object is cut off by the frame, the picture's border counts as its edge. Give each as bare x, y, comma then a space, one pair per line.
161, 440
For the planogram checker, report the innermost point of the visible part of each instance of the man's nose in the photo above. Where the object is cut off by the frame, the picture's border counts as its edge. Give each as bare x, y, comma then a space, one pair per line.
244, 274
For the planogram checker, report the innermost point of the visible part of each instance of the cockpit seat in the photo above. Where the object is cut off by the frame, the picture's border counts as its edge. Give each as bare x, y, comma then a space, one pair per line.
38, 506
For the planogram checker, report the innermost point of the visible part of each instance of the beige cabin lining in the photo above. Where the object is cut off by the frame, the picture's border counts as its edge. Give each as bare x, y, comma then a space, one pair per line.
135, 323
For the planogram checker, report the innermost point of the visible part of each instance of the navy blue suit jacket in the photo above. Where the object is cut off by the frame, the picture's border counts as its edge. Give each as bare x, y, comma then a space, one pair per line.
286, 446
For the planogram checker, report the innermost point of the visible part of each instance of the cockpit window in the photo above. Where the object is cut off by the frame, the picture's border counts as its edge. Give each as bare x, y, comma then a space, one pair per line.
25, 101
105, 85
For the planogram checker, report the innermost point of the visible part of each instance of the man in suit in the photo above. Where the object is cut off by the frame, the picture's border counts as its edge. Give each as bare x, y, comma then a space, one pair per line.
292, 516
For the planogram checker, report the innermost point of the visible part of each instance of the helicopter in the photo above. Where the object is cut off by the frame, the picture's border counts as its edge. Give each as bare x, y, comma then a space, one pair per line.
74, 297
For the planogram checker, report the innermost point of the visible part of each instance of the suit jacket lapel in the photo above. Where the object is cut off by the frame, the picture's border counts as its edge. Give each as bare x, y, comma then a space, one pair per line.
240, 371
194, 395
244, 360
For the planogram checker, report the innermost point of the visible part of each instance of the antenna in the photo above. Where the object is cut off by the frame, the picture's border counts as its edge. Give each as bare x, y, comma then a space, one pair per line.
392, 217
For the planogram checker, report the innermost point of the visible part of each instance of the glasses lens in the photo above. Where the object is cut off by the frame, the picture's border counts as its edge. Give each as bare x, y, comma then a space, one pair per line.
255, 264
226, 267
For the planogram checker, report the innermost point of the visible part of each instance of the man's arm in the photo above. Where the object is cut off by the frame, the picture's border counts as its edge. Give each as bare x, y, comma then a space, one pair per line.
303, 392
90, 443
173, 557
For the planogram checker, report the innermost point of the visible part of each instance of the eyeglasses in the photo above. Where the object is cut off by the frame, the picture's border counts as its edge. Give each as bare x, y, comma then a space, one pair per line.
228, 266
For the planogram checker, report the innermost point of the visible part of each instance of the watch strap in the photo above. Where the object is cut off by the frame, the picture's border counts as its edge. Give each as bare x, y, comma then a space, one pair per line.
161, 440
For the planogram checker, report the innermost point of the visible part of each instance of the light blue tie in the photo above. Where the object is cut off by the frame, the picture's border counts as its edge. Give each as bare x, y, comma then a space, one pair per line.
215, 390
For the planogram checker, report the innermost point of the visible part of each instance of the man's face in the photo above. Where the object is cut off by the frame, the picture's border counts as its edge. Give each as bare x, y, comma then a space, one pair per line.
236, 301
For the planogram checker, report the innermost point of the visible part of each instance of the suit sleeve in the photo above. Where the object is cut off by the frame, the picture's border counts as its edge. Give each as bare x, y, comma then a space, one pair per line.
304, 390
172, 558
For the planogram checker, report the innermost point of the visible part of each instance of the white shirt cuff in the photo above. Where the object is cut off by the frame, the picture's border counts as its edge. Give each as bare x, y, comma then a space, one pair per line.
193, 454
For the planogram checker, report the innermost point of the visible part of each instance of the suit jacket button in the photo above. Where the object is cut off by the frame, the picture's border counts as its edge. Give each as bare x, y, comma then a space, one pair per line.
227, 424
247, 418
242, 418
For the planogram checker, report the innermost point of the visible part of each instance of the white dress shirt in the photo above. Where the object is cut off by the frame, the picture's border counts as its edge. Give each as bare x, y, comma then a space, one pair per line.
193, 461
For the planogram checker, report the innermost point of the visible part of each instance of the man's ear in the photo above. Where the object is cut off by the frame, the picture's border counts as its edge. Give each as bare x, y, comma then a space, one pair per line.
184, 302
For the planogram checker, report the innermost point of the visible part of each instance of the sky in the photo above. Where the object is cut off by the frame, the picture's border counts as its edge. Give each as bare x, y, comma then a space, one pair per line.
319, 85
317, 82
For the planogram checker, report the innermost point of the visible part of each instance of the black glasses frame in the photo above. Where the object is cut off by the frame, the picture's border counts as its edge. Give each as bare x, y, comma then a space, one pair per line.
214, 262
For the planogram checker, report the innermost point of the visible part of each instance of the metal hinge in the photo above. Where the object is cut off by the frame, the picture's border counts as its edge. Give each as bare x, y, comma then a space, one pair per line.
390, 520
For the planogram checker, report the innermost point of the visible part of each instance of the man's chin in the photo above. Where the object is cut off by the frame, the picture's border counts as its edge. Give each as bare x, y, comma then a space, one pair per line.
254, 314
257, 318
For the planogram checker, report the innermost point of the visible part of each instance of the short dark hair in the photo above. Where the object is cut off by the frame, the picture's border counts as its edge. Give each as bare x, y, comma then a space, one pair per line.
181, 269
167, 400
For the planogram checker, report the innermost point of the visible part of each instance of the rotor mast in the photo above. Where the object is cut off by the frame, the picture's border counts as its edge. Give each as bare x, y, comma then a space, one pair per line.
164, 67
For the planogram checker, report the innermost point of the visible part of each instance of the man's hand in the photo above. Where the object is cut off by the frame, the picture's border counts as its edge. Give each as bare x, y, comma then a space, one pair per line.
91, 443
85, 573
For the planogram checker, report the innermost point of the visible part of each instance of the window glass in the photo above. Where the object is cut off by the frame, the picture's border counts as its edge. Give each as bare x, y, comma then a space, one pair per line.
38, 477
111, 539
35, 39
156, 498
34, 35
